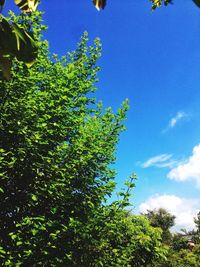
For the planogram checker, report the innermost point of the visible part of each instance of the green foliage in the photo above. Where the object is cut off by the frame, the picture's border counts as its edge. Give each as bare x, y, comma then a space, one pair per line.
57, 146
180, 253
15, 40
179, 242
162, 219
182, 258
195, 233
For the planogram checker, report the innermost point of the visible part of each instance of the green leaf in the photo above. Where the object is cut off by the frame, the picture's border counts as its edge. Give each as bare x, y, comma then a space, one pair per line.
19, 34
26, 47
2, 251
15, 41
34, 197
1, 190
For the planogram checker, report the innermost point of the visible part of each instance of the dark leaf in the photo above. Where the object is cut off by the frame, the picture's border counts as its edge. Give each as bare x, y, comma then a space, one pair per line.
16, 42
197, 2
2, 3
99, 4
5, 64
25, 47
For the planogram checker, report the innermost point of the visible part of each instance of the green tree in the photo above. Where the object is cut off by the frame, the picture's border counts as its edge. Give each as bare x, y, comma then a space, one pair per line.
179, 242
162, 219
182, 258
193, 234
197, 222
57, 146
180, 254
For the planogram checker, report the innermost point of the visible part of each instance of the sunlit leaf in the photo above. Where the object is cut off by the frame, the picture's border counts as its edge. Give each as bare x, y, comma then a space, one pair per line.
34, 198
1, 190
27, 5
99, 4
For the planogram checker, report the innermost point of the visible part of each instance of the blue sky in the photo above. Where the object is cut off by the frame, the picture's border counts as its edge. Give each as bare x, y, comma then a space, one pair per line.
153, 59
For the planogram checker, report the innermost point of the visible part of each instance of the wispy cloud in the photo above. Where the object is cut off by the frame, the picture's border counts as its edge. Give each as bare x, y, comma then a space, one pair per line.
184, 209
180, 115
190, 170
160, 161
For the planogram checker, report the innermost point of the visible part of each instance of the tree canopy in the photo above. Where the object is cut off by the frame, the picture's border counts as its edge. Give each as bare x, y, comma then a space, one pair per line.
163, 219
57, 146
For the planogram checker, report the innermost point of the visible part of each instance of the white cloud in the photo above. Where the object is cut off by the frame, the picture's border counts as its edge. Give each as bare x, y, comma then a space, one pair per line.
172, 123
188, 171
184, 209
177, 118
160, 161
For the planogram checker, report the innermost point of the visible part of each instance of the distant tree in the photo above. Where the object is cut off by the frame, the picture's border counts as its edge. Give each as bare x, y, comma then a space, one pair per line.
180, 258
180, 252
194, 234
179, 242
197, 222
162, 219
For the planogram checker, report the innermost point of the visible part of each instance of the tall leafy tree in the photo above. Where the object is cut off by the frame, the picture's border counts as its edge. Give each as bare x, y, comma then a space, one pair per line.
57, 146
